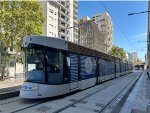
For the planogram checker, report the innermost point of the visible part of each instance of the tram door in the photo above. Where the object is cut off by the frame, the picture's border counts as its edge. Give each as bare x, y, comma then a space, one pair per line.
73, 71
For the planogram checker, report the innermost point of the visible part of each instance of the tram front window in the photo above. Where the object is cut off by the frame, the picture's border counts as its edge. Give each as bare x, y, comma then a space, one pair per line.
35, 64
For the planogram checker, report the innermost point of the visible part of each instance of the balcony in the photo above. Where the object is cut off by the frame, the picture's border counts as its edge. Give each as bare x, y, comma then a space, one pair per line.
64, 14
65, 3
75, 4
63, 34
75, 10
62, 26
75, 17
76, 28
75, 13
64, 20
75, 21
59, 4
75, 33
68, 3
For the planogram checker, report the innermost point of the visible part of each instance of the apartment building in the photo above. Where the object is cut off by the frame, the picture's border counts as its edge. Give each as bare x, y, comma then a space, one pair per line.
104, 22
61, 16
90, 36
132, 56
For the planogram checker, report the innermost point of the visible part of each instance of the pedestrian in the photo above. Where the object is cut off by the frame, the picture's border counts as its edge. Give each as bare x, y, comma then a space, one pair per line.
148, 71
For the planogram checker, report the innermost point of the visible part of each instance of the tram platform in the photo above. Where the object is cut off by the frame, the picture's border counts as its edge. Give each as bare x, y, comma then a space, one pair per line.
10, 87
10, 92
139, 99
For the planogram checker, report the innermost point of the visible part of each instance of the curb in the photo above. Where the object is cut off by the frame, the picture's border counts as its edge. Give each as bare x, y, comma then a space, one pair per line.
118, 107
7, 95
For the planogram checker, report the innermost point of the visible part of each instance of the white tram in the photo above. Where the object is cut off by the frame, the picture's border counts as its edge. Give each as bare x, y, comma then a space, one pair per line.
55, 67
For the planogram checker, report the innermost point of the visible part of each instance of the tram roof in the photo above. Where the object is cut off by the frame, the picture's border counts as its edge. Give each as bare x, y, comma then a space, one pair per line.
46, 41
65, 45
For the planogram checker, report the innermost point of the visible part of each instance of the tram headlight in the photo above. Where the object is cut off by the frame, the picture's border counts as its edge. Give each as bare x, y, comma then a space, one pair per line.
32, 88
29, 87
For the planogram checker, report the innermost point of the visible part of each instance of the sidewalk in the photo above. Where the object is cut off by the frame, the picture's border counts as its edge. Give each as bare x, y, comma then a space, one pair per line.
139, 99
10, 84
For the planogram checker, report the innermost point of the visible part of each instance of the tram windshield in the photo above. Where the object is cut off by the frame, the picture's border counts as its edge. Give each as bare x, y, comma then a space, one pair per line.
43, 64
34, 64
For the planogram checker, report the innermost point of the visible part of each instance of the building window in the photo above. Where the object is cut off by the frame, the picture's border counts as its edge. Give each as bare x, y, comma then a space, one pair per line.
50, 10
55, 13
62, 37
51, 26
50, 18
50, 33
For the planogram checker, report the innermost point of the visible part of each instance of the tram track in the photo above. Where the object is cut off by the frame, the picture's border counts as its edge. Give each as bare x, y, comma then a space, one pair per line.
105, 107
10, 101
116, 97
28, 107
28, 104
19, 101
59, 110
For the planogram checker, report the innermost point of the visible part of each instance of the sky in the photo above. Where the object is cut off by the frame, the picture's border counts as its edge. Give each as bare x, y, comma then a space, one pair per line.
130, 32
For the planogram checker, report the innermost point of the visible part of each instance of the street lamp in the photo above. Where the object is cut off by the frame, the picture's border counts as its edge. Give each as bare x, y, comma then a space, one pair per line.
130, 14
142, 41
138, 13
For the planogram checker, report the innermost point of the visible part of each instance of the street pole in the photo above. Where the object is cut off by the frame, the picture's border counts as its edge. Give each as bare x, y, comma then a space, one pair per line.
148, 36
148, 31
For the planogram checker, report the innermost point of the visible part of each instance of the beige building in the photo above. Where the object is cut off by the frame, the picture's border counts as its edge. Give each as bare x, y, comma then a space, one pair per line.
90, 36
104, 22
60, 17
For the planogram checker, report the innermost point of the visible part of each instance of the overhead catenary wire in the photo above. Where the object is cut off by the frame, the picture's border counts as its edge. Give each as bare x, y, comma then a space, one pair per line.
118, 26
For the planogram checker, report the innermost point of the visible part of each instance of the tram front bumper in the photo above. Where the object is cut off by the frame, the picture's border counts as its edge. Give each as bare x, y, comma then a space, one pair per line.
29, 90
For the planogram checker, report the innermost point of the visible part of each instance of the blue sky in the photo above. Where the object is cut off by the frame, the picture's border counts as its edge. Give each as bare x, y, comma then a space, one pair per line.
134, 27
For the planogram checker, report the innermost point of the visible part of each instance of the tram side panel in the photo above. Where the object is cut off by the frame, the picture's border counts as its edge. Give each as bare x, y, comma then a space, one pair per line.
117, 69
106, 70
126, 68
101, 63
74, 68
121, 68
87, 71
124, 72
113, 69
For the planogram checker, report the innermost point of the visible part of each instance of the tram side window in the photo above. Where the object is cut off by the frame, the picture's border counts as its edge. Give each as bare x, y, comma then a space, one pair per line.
54, 67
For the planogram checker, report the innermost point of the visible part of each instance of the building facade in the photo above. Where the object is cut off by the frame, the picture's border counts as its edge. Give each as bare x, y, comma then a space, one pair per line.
104, 22
133, 56
148, 36
61, 16
90, 36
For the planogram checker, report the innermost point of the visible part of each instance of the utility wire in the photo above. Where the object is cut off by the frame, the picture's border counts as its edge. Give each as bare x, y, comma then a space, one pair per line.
118, 26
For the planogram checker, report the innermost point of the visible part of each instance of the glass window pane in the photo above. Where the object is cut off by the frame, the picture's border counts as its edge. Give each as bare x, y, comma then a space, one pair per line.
54, 66
35, 69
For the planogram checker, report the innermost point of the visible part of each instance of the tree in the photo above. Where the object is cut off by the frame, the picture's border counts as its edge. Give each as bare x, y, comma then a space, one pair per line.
118, 52
137, 61
18, 19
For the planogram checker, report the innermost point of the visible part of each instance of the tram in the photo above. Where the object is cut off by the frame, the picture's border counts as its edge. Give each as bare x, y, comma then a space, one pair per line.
54, 67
